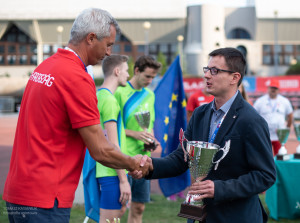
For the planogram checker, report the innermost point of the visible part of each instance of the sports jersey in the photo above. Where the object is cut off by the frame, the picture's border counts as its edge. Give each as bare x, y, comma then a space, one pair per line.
197, 99
274, 111
132, 101
48, 151
109, 110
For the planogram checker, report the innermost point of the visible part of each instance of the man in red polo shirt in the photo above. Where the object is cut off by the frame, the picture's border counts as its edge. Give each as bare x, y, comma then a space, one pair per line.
197, 99
58, 119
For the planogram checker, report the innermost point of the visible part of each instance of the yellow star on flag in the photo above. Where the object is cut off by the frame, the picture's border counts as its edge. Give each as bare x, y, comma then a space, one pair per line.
183, 103
170, 105
166, 120
174, 97
166, 137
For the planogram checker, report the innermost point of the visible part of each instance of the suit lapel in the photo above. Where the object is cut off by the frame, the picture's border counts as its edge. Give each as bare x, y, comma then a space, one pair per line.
229, 120
206, 124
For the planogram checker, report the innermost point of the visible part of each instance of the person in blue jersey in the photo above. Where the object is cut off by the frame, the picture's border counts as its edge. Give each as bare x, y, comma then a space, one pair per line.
229, 192
133, 98
114, 186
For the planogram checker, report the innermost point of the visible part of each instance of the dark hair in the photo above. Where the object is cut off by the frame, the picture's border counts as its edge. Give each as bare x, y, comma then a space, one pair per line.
234, 59
110, 62
146, 61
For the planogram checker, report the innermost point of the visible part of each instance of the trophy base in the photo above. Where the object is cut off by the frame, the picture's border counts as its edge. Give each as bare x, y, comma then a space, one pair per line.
296, 155
151, 147
197, 213
283, 157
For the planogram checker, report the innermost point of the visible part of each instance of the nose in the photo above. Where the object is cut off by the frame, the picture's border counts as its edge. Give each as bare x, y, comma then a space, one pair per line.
207, 74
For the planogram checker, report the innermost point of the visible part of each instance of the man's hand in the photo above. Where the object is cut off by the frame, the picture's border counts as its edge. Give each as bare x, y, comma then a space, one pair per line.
144, 166
205, 189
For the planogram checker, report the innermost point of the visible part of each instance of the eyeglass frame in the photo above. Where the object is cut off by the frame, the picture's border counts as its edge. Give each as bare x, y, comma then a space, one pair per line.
217, 69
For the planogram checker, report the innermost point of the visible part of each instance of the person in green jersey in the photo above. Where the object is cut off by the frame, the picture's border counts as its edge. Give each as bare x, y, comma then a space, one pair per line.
114, 186
136, 97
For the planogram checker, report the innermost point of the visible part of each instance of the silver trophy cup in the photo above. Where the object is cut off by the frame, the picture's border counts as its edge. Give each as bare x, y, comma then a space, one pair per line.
297, 132
143, 119
283, 135
200, 156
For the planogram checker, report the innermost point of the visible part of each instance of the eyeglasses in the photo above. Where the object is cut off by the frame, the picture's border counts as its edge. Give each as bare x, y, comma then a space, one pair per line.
214, 70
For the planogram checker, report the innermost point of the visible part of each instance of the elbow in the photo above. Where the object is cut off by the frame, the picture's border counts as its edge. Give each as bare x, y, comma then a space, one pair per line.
101, 155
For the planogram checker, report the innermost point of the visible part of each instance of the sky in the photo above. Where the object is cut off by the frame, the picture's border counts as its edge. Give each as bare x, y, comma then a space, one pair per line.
264, 8
229, 3
138, 8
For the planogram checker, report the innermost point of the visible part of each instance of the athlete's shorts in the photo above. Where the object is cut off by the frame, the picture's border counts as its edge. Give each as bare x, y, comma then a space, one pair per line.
109, 193
140, 189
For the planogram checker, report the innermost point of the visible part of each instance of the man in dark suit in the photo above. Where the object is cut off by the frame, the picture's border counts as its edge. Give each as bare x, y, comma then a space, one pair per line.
230, 192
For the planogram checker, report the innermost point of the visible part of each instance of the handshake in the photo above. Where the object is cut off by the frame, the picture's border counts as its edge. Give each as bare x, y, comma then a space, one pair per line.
142, 166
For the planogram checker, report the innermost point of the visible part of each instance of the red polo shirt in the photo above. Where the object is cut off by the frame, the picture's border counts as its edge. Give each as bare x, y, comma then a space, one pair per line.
48, 152
197, 99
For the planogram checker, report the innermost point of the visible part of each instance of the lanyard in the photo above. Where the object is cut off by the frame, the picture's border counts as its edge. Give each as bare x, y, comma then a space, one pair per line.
273, 107
67, 48
212, 139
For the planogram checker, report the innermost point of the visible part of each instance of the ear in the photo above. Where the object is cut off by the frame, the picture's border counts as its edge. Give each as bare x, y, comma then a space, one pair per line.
90, 38
117, 71
136, 70
236, 77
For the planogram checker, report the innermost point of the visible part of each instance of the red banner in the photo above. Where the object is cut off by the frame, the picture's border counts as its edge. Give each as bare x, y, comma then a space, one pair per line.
192, 84
286, 83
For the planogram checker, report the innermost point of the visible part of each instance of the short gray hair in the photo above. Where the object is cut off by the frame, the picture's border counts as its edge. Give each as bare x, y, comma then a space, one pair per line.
92, 20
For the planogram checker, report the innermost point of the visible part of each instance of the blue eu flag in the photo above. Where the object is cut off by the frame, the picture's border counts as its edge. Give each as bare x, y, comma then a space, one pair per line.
91, 188
170, 116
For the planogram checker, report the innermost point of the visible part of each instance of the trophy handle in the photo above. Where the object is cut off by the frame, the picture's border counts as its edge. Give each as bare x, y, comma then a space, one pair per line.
182, 139
225, 151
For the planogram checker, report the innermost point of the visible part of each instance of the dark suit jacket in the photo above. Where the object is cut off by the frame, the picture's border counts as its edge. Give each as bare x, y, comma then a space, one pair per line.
247, 170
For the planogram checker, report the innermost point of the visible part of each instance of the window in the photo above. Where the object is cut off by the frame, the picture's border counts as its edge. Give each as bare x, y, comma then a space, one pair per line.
116, 48
238, 33
141, 48
163, 48
285, 54
46, 49
33, 60
288, 48
22, 49
127, 48
11, 49
55, 48
267, 48
174, 48
23, 59
11, 59
16, 47
1, 59
153, 48
33, 49
22, 38
267, 59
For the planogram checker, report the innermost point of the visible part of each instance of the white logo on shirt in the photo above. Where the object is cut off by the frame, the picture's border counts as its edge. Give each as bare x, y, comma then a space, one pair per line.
42, 78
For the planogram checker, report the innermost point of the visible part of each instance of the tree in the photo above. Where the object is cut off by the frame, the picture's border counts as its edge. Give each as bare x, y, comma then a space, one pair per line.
163, 60
294, 69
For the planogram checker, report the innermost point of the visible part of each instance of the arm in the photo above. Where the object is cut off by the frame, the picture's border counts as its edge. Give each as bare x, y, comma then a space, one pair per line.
125, 189
104, 152
261, 173
289, 120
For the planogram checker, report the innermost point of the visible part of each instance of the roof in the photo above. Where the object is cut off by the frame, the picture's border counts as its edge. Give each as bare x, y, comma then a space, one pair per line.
161, 31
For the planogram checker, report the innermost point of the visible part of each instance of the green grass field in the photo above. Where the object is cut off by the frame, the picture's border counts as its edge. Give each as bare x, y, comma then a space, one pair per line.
160, 210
